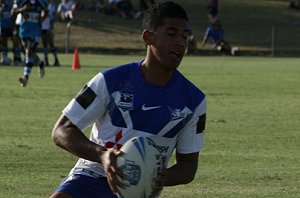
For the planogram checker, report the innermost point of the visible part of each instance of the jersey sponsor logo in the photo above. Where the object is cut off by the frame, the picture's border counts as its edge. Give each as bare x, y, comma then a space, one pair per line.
85, 97
126, 101
144, 108
161, 149
201, 124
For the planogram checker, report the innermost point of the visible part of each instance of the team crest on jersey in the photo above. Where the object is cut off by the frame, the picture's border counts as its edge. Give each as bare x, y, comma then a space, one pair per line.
176, 114
126, 101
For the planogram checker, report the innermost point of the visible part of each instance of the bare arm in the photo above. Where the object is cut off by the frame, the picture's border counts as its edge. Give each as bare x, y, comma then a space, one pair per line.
67, 136
44, 15
183, 171
204, 41
21, 9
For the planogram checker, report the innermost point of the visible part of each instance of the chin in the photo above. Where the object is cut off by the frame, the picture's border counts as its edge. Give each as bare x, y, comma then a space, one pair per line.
176, 62
172, 66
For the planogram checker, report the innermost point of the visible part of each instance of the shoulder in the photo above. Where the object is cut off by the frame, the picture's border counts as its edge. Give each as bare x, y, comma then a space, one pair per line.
208, 30
114, 76
43, 4
190, 86
192, 93
119, 71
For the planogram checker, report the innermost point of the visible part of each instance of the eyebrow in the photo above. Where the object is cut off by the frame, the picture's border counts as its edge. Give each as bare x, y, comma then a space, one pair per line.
175, 29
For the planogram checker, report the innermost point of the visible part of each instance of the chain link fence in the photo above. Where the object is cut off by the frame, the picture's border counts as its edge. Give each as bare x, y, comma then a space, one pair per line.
260, 39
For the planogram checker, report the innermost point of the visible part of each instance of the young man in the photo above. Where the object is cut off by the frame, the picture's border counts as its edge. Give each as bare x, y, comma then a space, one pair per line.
147, 98
33, 13
216, 35
66, 10
213, 9
48, 33
6, 29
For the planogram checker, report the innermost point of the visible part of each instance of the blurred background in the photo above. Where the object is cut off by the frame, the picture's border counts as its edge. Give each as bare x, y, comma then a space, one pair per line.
257, 27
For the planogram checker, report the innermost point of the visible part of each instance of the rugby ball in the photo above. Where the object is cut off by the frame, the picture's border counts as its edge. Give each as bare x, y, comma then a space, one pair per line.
141, 163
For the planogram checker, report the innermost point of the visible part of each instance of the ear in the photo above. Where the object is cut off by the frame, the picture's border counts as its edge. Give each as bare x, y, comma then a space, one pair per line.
147, 37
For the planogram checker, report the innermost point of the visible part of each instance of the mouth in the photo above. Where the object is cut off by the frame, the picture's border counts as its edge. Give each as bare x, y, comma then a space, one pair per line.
177, 55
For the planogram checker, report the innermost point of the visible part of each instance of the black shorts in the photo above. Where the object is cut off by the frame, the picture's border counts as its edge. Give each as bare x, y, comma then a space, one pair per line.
16, 30
29, 43
6, 32
45, 32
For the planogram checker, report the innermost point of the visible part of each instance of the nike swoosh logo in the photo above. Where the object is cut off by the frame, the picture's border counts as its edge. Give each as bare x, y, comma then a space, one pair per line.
144, 108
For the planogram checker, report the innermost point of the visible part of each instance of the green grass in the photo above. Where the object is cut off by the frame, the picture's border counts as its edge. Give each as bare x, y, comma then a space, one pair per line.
252, 138
248, 24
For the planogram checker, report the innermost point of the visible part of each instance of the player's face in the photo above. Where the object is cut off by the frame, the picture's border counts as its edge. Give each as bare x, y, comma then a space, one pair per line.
169, 43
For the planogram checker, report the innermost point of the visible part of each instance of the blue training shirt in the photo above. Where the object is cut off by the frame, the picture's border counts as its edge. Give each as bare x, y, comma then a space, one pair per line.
214, 35
6, 19
30, 26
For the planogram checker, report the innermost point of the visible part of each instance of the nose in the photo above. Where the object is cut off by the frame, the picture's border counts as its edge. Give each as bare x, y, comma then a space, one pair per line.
180, 41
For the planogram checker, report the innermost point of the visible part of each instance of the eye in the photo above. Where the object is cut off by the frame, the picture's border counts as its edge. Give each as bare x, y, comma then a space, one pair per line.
172, 34
186, 37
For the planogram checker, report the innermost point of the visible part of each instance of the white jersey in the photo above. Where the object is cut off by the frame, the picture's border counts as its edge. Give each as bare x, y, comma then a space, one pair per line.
120, 104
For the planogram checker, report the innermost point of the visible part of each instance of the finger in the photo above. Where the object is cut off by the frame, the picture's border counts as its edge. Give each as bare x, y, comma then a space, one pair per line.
113, 165
164, 161
118, 172
114, 183
119, 153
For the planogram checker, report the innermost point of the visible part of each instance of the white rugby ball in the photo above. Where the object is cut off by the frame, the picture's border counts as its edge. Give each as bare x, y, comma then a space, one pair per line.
140, 163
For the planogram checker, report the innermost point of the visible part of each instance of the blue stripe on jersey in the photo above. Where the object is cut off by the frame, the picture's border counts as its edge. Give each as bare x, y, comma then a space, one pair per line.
173, 132
151, 107
115, 114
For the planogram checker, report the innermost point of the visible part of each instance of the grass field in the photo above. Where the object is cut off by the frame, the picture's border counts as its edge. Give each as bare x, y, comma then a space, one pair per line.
248, 24
252, 138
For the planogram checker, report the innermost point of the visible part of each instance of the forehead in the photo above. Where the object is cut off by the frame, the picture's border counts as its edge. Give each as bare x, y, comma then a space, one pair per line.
175, 24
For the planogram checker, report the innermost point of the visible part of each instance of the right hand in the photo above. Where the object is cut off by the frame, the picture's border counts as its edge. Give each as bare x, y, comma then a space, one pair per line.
109, 162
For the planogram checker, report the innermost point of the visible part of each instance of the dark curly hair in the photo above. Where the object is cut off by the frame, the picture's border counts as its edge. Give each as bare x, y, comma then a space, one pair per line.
155, 15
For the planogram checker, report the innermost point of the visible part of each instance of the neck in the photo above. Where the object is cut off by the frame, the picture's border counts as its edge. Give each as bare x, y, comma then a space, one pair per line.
154, 74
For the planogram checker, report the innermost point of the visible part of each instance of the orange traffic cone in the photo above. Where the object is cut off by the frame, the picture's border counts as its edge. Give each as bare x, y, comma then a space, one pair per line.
76, 63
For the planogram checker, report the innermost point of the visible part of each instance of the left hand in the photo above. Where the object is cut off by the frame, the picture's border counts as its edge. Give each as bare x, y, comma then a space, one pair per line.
158, 181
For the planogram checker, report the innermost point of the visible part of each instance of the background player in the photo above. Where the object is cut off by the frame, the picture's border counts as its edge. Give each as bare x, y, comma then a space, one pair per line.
213, 10
48, 33
215, 33
66, 10
125, 101
6, 28
33, 13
